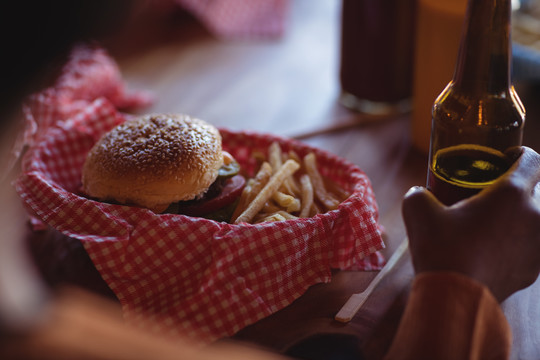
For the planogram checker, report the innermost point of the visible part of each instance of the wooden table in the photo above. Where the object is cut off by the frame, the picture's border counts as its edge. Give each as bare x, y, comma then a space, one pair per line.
289, 86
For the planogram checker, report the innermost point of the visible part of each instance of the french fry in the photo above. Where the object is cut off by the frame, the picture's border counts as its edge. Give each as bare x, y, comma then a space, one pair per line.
297, 187
315, 209
335, 189
289, 187
244, 199
288, 202
280, 215
307, 196
294, 156
276, 159
270, 207
317, 181
272, 217
252, 188
288, 168
274, 156
258, 156
276, 192
286, 215
262, 177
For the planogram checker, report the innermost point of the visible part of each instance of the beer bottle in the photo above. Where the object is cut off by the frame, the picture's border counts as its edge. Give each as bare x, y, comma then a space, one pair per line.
478, 116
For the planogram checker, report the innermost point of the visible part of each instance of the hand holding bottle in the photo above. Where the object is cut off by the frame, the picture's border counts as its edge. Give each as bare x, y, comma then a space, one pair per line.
493, 237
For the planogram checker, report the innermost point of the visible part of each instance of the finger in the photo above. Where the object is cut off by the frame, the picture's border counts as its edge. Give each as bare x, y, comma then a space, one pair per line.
536, 196
420, 207
525, 172
420, 211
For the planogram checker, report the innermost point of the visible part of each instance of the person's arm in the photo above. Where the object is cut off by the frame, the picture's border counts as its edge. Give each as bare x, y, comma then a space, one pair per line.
468, 257
451, 316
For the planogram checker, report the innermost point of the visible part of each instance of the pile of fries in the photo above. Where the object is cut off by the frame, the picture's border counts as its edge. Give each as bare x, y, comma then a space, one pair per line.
287, 187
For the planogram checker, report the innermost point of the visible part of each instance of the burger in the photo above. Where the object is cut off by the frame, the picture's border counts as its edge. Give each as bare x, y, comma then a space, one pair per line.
168, 163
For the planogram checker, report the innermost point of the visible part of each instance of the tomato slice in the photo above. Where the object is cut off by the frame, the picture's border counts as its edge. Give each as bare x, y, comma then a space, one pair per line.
230, 192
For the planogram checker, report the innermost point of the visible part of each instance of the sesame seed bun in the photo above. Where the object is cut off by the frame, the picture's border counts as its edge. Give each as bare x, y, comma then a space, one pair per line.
153, 161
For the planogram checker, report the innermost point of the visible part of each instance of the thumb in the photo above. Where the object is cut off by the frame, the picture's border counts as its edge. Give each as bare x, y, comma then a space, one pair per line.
420, 209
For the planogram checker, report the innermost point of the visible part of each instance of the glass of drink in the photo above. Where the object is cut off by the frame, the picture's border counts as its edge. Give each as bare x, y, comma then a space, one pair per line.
377, 55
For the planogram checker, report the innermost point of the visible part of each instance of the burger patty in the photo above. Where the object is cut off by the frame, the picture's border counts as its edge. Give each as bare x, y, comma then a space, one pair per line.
217, 203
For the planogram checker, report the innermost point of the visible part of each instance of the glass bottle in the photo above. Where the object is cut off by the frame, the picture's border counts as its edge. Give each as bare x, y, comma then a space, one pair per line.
479, 115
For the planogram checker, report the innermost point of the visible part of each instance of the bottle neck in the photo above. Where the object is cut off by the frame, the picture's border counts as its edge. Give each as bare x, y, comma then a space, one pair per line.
484, 58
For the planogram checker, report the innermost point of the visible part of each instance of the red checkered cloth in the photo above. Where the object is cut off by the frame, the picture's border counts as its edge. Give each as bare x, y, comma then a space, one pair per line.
240, 18
188, 276
90, 73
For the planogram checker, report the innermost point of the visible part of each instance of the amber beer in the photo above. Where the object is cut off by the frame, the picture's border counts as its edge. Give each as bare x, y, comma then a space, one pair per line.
478, 116
462, 171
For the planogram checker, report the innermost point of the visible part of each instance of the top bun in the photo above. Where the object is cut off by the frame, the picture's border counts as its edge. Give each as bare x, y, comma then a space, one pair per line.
153, 161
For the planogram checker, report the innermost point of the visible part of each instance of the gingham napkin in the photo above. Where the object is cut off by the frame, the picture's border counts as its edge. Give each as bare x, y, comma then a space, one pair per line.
240, 18
194, 277
89, 74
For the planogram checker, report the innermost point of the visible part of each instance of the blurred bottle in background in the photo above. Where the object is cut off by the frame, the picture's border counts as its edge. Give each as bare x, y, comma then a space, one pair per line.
438, 32
377, 45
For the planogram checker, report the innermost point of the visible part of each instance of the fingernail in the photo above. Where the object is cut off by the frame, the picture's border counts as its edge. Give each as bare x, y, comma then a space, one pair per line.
413, 189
